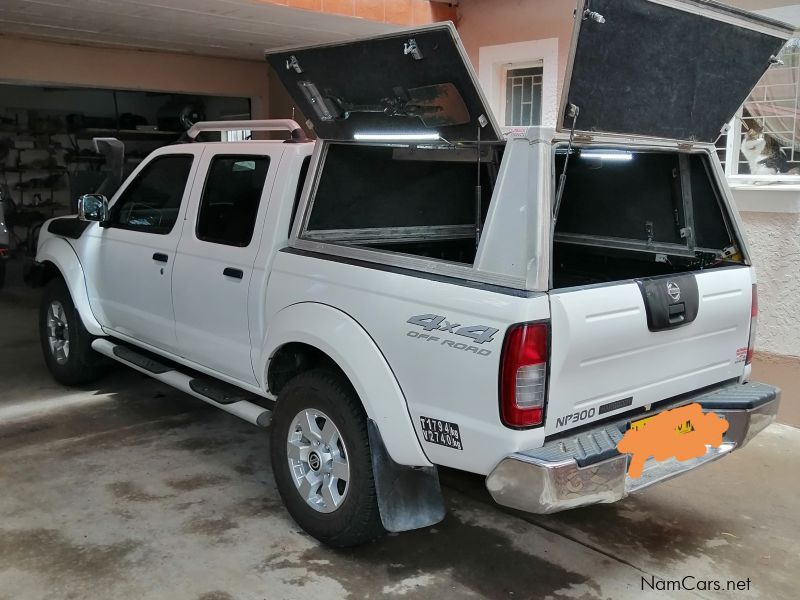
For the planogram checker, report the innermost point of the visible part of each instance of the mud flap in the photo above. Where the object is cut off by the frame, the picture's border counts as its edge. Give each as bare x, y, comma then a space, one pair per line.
408, 497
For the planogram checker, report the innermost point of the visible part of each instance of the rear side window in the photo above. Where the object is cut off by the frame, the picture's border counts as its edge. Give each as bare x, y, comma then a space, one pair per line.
640, 196
630, 195
231, 198
414, 201
152, 201
300, 183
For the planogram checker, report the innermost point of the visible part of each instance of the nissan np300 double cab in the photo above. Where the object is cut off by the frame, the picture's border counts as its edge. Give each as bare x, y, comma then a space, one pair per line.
420, 288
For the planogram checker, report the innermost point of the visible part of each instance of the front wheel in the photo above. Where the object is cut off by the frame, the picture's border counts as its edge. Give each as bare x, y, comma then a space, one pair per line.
321, 459
66, 344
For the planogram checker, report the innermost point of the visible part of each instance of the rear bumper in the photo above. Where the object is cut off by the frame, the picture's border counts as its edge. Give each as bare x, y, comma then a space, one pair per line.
585, 469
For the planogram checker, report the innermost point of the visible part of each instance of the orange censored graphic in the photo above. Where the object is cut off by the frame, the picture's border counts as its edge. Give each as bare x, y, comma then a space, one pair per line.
681, 432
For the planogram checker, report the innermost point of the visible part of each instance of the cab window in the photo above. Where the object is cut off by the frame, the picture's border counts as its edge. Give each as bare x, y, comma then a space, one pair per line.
152, 201
231, 197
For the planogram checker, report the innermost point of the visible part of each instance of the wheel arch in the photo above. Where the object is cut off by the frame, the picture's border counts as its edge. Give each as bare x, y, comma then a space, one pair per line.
58, 259
319, 333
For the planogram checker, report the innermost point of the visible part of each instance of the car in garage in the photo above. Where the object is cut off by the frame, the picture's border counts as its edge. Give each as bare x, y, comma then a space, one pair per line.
419, 288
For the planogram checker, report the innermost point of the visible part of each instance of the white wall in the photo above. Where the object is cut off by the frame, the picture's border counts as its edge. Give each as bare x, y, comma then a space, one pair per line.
774, 242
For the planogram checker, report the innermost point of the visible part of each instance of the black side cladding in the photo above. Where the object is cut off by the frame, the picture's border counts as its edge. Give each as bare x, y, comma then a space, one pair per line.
670, 302
68, 227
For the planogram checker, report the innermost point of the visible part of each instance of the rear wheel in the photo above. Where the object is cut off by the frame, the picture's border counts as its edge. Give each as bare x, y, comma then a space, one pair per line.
66, 344
321, 459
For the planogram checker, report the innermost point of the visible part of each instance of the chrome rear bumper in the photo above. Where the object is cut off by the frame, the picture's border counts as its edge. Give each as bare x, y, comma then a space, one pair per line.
562, 475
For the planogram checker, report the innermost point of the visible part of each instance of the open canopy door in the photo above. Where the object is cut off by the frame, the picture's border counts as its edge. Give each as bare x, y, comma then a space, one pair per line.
414, 85
673, 69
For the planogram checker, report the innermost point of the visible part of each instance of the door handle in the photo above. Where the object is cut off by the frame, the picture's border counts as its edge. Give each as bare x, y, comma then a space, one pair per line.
160, 257
235, 273
677, 313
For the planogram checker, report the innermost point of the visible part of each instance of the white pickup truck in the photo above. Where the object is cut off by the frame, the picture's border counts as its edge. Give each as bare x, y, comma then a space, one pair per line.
418, 287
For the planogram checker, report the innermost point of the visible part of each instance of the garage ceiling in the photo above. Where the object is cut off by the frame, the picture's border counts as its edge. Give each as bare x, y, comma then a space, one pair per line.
229, 28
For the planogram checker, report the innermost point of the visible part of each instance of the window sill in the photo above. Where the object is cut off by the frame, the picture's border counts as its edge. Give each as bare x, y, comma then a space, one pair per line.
775, 197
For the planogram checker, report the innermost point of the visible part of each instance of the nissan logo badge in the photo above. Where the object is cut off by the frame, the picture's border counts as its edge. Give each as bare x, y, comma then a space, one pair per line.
674, 291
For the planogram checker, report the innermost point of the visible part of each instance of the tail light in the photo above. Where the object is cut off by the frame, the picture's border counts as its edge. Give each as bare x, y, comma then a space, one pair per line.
753, 322
523, 375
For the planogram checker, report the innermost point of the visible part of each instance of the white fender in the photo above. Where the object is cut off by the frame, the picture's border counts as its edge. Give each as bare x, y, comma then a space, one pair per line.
340, 337
59, 252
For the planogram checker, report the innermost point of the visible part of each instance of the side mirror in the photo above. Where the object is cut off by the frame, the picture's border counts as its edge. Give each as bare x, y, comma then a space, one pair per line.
93, 207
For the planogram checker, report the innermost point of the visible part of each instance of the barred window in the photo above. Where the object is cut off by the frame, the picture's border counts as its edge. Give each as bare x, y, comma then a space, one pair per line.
524, 96
763, 142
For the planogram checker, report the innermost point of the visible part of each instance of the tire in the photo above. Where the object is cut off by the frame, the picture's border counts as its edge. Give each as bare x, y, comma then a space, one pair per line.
326, 396
2, 273
73, 362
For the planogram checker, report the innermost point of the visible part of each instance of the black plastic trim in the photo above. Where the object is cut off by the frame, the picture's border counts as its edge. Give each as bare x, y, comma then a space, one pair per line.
664, 312
68, 227
220, 393
140, 360
744, 397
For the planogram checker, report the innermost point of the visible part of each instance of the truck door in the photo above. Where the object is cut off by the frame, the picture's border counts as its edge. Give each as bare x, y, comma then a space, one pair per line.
216, 254
129, 274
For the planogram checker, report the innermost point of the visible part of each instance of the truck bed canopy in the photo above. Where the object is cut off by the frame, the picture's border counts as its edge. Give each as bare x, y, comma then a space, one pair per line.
413, 85
670, 69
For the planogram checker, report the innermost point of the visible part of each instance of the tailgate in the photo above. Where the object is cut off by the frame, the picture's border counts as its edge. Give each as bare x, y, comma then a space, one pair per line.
606, 359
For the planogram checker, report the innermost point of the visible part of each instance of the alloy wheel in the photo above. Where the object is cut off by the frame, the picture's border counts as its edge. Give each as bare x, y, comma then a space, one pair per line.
58, 332
318, 460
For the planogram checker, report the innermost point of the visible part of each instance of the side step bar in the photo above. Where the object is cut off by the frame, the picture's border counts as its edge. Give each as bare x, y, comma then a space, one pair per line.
218, 394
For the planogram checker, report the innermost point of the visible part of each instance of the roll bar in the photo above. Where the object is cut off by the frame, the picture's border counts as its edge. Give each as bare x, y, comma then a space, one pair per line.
297, 133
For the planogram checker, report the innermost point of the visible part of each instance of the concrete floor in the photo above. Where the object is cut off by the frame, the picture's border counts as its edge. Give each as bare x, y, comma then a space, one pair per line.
128, 489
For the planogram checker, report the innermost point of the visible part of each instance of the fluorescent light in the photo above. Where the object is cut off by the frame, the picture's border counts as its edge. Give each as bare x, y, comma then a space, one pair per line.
608, 155
396, 137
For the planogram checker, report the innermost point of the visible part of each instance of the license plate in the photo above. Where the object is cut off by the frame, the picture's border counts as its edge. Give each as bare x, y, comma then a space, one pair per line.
681, 429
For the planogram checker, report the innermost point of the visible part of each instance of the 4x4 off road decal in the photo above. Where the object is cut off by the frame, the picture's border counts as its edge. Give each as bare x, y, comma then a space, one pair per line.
441, 432
479, 334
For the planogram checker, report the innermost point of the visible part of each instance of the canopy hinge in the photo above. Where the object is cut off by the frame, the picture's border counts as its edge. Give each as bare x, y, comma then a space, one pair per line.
593, 15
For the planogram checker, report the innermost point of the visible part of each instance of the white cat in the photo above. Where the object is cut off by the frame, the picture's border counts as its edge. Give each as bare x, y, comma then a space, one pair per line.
754, 146
764, 156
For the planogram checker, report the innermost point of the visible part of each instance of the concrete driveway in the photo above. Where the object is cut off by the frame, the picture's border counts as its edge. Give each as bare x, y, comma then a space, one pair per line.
129, 489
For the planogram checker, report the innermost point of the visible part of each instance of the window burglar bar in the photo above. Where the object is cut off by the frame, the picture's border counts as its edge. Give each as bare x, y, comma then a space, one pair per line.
524, 96
772, 107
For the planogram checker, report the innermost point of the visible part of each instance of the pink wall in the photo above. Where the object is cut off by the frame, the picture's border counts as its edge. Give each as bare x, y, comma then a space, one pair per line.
33, 61
488, 23
397, 12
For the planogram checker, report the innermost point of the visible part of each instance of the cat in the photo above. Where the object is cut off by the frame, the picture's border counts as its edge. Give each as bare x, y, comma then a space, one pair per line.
764, 156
